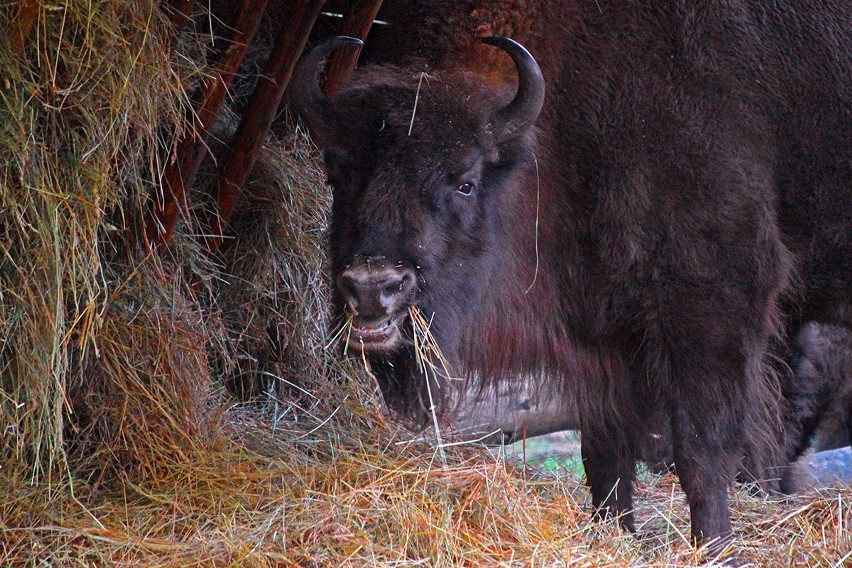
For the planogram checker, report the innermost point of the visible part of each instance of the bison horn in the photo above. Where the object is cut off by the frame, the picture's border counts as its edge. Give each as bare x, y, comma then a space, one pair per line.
518, 115
310, 100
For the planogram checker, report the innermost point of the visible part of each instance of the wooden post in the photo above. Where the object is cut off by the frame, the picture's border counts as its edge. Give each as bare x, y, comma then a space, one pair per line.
179, 12
357, 24
246, 143
180, 173
27, 14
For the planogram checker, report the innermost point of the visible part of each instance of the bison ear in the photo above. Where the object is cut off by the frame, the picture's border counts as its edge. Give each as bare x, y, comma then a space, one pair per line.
312, 103
519, 115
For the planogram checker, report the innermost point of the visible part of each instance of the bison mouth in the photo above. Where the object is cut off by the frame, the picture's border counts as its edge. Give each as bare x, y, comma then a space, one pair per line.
372, 336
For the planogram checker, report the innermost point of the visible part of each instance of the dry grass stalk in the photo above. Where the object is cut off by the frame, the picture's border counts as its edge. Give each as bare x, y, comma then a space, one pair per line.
428, 354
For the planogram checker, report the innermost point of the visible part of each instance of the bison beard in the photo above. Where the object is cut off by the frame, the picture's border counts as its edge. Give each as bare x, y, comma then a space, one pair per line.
640, 236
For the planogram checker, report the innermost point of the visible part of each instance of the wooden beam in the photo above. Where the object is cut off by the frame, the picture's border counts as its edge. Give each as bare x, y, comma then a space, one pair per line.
512, 411
180, 173
178, 12
252, 131
356, 24
26, 17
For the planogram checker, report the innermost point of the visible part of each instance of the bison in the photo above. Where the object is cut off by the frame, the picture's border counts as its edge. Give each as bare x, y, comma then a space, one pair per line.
647, 215
817, 396
819, 400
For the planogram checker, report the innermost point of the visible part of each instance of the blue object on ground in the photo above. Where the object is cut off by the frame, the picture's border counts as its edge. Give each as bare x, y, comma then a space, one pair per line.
831, 467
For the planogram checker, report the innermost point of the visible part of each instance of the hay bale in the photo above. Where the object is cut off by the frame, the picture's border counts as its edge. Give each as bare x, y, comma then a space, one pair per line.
83, 113
272, 293
108, 353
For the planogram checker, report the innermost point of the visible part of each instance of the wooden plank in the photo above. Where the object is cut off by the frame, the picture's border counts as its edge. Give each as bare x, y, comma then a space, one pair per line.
178, 12
180, 173
26, 17
252, 131
356, 24
511, 411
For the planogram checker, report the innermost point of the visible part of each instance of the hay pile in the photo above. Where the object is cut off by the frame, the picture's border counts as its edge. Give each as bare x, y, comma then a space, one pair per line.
120, 443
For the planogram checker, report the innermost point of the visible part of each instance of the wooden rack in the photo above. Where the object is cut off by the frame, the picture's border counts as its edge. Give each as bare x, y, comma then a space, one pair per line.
254, 126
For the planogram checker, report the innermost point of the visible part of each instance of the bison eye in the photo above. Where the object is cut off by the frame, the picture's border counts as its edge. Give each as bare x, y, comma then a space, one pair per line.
466, 188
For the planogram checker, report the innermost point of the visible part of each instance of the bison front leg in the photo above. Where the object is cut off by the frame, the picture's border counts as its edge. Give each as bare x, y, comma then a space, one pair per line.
705, 468
610, 469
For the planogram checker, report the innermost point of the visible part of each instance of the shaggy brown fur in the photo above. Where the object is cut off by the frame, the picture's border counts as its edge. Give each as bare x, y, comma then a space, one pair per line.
690, 170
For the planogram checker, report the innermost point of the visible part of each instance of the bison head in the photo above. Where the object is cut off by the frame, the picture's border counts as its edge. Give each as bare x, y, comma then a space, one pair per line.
419, 165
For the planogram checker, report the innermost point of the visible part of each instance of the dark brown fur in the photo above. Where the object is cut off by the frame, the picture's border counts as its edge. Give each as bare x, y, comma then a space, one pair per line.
686, 194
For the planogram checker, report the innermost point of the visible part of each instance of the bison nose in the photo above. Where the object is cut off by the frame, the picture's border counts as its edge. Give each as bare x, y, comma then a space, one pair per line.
376, 293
